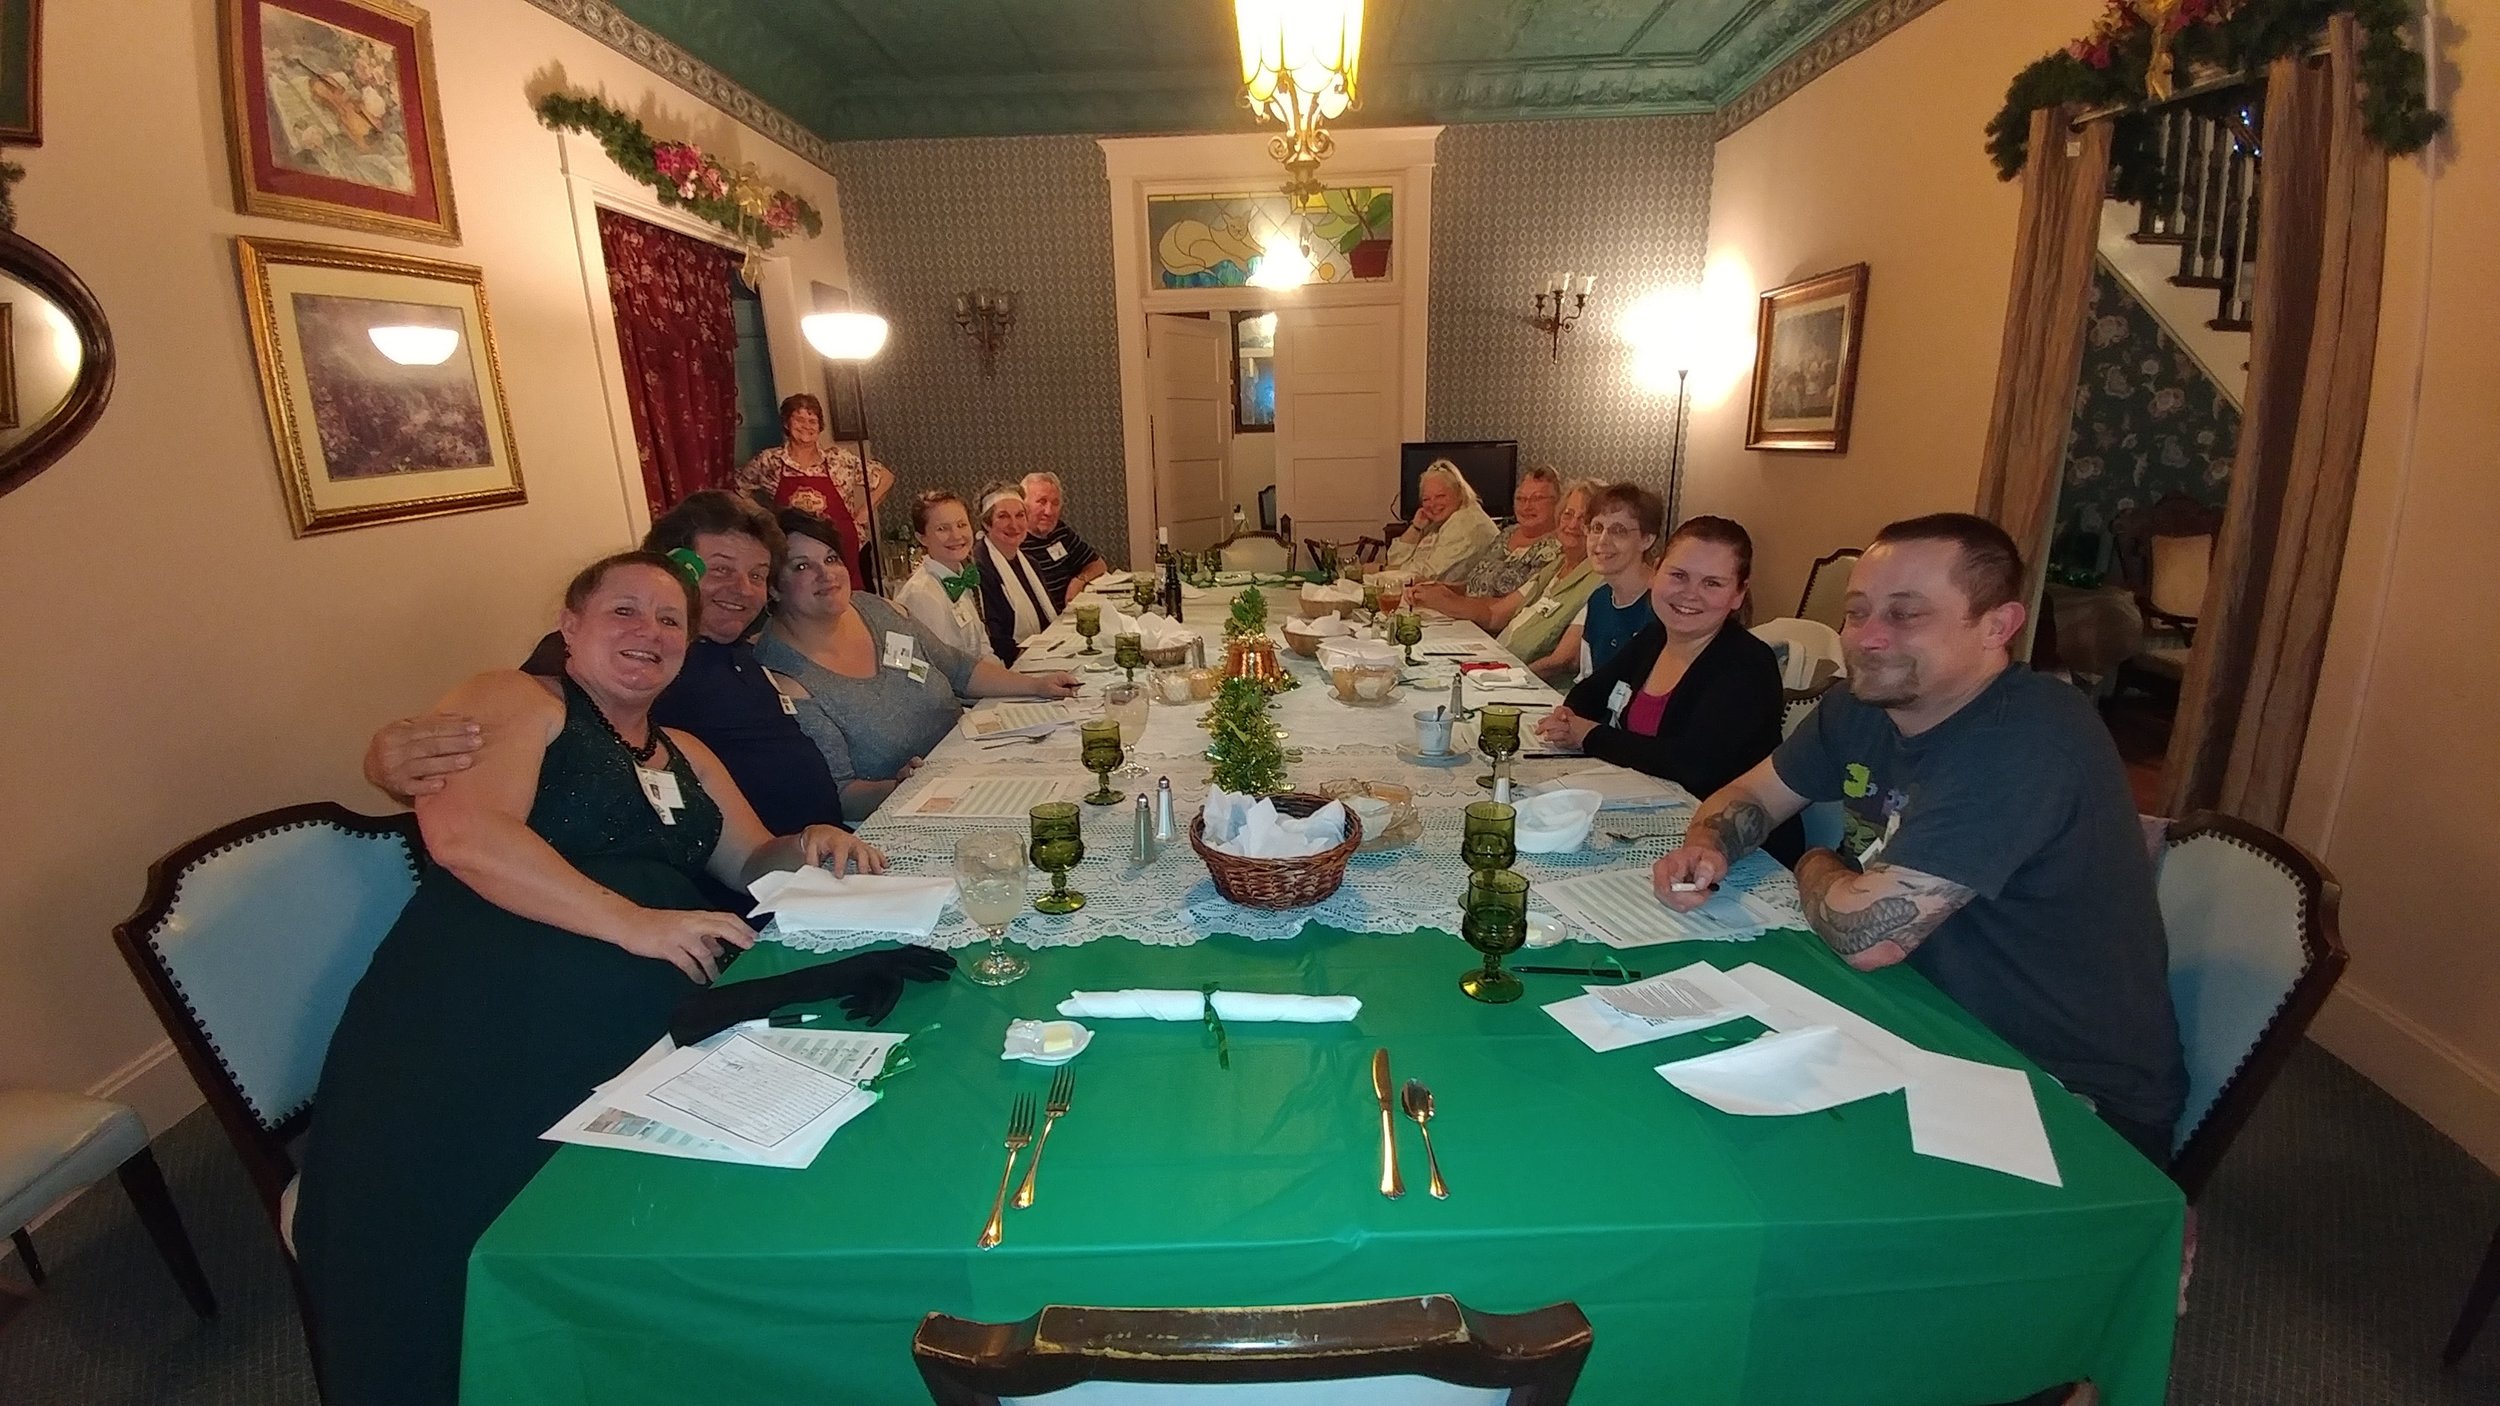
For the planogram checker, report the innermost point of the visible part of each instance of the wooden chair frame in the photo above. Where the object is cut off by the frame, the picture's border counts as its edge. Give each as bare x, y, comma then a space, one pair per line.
1814, 572
2131, 537
2321, 941
1537, 1355
263, 1148
1252, 533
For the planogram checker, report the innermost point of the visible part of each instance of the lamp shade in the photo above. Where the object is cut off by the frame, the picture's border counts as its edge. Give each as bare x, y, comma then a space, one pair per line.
1310, 48
412, 345
844, 336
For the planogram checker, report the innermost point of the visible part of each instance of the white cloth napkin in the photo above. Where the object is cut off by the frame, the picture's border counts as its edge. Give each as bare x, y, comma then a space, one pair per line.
1324, 626
815, 900
1795, 1071
1236, 1006
1255, 829
1335, 593
1557, 821
1355, 653
1161, 632
1620, 788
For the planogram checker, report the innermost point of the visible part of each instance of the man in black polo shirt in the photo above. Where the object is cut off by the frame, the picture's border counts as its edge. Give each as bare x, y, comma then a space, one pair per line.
1064, 560
722, 696
1991, 839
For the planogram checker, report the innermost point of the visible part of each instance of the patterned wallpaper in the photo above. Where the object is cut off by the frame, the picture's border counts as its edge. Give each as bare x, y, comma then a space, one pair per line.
2148, 421
1627, 199
924, 220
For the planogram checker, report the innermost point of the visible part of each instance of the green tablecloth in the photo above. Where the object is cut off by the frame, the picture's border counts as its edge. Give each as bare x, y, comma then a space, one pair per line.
1721, 1259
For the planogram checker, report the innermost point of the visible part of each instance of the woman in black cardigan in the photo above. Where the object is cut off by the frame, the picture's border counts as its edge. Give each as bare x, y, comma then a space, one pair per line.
1694, 697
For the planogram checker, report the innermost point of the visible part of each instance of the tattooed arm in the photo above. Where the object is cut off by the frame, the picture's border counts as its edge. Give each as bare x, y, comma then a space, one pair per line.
1876, 918
1728, 827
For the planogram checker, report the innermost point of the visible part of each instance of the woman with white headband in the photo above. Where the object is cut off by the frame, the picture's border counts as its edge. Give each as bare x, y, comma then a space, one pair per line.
1015, 605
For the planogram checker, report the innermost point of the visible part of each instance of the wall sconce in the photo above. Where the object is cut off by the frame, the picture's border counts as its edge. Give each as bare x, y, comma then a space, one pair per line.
985, 314
1553, 317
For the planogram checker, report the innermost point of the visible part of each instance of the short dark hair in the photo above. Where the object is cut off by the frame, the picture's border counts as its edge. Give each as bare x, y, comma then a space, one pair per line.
1990, 569
798, 522
577, 592
1648, 510
1725, 532
792, 405
930, 502
715, 510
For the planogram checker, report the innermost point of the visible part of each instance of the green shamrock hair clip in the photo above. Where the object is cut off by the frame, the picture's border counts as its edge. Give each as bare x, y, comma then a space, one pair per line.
687, 562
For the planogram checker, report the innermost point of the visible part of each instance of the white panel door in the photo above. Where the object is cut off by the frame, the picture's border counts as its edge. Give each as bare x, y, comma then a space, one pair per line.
1337, 417
1189, 375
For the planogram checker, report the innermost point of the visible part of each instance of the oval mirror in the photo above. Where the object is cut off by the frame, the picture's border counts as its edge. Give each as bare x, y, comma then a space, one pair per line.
56, 360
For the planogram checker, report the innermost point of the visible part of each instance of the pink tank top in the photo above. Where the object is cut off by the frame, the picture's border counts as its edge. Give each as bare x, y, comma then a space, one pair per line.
1646, 712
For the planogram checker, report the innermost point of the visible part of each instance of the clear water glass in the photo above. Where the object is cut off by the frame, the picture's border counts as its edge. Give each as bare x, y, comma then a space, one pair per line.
989, 874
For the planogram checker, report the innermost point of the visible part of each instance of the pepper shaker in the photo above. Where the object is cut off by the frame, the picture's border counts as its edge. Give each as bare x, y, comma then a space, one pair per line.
1145, 832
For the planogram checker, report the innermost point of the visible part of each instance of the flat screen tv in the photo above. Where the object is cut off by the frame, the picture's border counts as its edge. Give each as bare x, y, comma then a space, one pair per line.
1490, 465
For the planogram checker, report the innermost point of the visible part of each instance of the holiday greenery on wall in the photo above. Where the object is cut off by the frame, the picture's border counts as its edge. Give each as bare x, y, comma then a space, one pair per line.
684, 175
2142, 49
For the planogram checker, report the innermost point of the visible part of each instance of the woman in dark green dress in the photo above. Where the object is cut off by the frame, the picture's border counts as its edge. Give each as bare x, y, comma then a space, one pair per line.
560, 925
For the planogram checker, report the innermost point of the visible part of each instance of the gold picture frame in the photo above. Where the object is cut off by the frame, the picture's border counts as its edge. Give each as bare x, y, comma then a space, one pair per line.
333, 115
382, 384
1805, 370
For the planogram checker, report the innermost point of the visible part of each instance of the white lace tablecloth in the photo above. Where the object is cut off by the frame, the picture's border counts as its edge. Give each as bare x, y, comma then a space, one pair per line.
1170, 901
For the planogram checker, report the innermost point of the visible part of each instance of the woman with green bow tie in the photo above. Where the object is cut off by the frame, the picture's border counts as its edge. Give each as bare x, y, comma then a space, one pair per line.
944, 594
875, 689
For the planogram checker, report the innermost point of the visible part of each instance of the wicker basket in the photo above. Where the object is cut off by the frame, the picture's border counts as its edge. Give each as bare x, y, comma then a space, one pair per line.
1279, 883
1168, 656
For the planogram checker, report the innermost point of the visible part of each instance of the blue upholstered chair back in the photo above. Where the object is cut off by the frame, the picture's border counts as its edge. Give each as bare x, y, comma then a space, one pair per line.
2253, 953
262, 929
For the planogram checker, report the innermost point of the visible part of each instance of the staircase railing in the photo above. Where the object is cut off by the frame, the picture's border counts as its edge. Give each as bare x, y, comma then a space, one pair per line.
2209, 162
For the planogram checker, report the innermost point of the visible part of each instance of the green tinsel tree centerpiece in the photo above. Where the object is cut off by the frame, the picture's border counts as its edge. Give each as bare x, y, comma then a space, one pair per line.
1247, 760
1249, 617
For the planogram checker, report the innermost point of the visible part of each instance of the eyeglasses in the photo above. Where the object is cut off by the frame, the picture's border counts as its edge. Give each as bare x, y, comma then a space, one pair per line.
1615, 529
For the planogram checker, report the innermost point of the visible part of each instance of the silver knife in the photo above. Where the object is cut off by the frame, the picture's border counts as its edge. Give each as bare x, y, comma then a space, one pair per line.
1391, 1184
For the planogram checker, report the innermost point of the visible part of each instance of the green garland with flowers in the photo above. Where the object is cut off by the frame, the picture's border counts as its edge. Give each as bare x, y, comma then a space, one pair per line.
685, 175
2109, 67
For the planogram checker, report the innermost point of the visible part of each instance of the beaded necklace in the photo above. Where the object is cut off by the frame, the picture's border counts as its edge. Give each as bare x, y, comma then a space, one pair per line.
640, 754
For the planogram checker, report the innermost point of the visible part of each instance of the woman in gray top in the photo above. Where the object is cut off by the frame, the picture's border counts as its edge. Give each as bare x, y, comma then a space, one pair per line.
873, 690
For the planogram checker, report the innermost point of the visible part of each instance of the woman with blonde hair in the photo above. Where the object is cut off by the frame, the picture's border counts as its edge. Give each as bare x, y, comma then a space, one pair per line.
1450, 526
1492, 586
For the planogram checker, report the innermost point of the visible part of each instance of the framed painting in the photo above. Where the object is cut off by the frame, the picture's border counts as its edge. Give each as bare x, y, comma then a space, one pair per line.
332, 115
384, 392
21, 72
1805, 375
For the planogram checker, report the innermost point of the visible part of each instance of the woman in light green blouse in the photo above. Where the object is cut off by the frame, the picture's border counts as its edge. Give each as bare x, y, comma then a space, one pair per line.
1552, 599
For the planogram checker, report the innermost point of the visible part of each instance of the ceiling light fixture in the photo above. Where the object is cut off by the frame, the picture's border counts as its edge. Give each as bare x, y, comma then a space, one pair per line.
1298, 68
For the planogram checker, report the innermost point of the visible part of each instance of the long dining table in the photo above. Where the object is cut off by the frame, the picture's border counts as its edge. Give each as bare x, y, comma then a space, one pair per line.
1721, 1259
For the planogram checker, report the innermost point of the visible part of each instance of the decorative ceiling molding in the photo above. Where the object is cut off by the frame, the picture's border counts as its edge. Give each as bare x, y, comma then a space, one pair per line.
603, 22
1820, 56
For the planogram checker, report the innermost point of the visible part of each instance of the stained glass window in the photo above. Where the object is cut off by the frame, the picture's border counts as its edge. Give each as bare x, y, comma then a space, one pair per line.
1210, 241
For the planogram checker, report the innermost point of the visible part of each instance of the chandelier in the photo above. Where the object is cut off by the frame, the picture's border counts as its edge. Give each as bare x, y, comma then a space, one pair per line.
1298, 62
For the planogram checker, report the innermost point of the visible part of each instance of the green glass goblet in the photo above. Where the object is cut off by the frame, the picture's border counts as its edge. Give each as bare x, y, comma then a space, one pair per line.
1088, 625
1491, 839
1058, 846
1128, 650
1099, 745
1407, 628
1497, 736
1141, 589
1495, 924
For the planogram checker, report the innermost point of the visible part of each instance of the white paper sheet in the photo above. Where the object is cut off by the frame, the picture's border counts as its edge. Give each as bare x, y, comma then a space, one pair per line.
1621, 908
1598, 1024
814, 900
1789, 1006
1796, 1071
849, 1055
1982, 1114
1625, 789
740, 1092
965, 798
1015, 720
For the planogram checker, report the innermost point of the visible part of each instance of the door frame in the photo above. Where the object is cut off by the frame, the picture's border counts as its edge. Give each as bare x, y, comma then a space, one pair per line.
1398, 157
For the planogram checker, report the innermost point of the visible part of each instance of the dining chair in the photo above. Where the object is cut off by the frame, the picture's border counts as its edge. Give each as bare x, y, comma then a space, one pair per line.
2163, 554
1251, 550
1827, 587
1824, 821
1424, 1351
1267, 513
247, 943
54, 1144
2254, 950
1801, 646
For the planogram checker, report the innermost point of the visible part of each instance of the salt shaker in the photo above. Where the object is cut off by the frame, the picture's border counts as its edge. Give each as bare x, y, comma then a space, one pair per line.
1145, 832
1167, 827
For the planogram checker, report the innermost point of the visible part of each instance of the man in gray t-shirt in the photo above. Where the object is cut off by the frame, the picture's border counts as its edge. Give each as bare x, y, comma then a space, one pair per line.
1991, 840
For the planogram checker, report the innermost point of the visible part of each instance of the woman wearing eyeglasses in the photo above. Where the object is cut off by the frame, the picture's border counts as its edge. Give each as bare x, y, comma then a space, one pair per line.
1625, 524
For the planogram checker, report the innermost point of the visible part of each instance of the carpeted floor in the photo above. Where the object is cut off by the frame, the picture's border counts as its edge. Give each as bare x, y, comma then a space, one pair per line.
2337, 1241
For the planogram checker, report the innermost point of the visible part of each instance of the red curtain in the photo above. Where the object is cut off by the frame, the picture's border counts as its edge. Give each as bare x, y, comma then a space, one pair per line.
678, 340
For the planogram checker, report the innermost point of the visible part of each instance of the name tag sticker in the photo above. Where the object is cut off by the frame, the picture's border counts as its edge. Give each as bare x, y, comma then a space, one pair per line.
787, 706
660, 788
1058, 551
1619, 700
900, 650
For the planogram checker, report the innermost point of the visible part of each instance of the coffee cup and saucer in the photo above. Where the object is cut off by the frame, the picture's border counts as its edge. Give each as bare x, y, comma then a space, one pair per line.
1432, 741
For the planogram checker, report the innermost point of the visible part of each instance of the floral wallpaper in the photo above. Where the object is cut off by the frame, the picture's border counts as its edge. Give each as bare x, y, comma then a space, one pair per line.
2148, 421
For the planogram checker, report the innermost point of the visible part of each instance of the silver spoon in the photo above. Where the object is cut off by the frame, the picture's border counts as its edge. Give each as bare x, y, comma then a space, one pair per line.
1418, 1102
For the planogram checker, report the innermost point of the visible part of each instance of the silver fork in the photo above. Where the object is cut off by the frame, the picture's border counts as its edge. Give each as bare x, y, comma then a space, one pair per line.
1062, 1088
1019, 1136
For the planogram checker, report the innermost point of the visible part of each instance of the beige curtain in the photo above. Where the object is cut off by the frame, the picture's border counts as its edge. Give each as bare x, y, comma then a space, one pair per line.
2321, 242
2055, 239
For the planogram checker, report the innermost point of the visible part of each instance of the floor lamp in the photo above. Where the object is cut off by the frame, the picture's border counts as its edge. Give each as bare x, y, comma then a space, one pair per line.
1675, 454
854, 338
